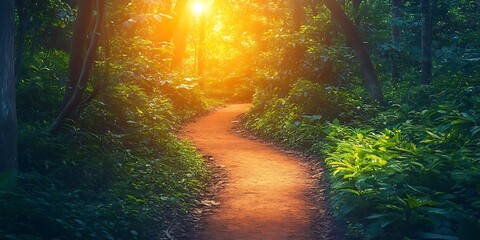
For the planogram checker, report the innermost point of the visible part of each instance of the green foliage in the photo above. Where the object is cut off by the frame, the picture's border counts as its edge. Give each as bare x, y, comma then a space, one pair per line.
47, 23
409, 171
282, 117
119, 172
40, 88
309, 111
408, 179
110, 194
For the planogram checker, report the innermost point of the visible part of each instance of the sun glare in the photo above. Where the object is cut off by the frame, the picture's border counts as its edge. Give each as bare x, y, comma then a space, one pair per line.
198, 8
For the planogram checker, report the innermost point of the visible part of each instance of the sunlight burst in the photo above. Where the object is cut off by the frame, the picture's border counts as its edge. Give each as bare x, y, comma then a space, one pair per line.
198, 8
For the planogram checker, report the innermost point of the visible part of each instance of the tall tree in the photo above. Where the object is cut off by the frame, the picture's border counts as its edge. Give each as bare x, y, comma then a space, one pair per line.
179, 40
370, 77
79, 75
178, 32
201, 41
396, 15
77, 50
426, 42
8, 117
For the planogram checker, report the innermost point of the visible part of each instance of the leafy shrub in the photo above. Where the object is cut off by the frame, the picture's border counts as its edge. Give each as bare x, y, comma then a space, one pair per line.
408, 171
395, 185
39, 90
117, 173
119, 183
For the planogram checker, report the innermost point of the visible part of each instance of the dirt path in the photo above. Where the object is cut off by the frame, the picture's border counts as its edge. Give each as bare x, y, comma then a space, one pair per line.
267, 195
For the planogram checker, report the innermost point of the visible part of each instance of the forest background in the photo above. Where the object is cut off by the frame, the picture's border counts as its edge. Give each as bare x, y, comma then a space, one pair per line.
386, 92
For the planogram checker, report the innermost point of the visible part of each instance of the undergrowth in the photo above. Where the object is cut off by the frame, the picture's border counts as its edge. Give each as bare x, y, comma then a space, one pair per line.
408, 171
118, 173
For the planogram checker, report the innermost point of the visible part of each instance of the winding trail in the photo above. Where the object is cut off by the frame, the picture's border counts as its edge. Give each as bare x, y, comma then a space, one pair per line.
267, 192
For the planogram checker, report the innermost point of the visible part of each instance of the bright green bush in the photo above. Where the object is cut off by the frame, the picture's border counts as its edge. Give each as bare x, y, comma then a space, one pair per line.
409, 171
298, 118
398, 187
119, 172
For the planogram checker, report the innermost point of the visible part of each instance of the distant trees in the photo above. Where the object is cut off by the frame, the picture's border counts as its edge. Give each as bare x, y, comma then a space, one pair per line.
158, 20
366, 66
177, 33
8, 117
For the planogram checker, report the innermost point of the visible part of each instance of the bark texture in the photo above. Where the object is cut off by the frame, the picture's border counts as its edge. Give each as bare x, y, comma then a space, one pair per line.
8, 117
73, 105
77, 51
370, 77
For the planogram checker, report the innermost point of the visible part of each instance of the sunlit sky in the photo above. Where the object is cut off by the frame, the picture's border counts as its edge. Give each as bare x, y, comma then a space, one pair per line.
199, 7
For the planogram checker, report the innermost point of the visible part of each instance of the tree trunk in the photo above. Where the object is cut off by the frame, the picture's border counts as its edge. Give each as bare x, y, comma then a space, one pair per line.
298, 14
370, 77
180, 8
8, 116
178, 33
74, 104
77, 51
201, 48
103, 80
179, 41
396, 15
426, 42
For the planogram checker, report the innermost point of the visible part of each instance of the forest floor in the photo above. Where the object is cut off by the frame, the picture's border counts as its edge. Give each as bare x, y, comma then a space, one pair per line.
258, 190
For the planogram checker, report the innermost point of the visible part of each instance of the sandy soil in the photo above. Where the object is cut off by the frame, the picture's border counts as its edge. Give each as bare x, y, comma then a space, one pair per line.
268, 192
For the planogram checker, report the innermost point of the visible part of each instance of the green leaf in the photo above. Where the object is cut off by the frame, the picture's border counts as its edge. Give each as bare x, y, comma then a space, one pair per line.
434, 135
351, 191
360, 136
461, 121
475, 130
377, 216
